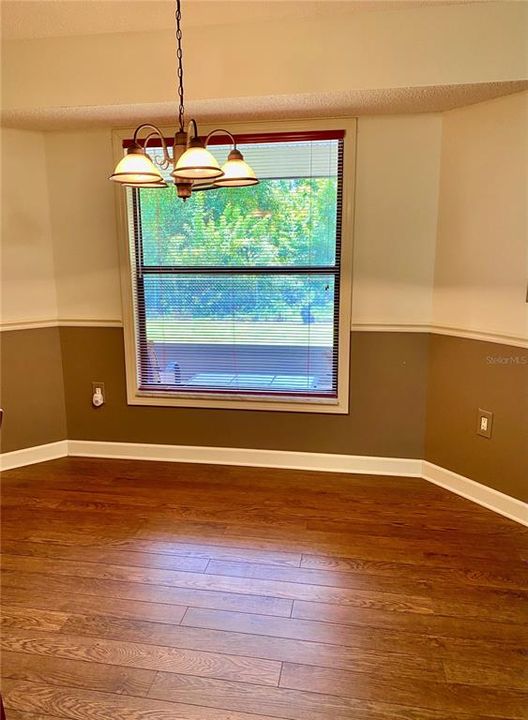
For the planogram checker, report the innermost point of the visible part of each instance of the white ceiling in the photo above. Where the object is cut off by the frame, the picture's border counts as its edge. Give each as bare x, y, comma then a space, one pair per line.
25, 19
388, 101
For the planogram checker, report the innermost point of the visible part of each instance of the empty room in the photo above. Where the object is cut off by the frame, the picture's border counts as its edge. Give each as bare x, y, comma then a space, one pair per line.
264, 360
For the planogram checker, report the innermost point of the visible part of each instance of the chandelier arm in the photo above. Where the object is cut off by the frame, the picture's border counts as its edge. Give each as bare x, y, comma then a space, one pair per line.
224, 132
192, 128
155, 131
165, 163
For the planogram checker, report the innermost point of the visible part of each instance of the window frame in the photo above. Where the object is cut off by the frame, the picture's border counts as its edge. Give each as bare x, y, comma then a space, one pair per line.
164, 398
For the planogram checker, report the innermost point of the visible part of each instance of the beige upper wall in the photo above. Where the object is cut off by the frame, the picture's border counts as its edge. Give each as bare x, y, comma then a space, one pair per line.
27, 273
481, 258
83, 219
418, 46
481, 271
398, 162
397, 189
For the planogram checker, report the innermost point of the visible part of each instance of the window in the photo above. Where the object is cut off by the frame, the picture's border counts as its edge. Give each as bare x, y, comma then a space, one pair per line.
237, 291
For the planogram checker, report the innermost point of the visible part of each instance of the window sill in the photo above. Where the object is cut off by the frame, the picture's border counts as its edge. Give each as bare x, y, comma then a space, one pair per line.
242, 402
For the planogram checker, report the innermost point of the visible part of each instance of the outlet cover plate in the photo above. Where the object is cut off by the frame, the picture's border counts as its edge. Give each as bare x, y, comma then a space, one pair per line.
484, 423
100, 385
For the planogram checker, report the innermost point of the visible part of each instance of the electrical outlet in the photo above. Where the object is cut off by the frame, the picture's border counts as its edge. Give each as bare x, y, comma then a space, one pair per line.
484, 423
98, 393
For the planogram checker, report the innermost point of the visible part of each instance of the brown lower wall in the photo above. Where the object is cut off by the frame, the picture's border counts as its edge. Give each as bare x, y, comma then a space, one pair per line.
31, 388
387, 401
465, 375
411, 395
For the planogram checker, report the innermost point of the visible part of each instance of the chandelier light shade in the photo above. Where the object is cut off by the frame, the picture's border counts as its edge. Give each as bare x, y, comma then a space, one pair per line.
194, 167
237, 173
197, 163
136, 168
160, 184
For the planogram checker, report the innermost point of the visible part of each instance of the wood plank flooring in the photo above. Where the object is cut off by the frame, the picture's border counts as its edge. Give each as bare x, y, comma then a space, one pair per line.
161, 591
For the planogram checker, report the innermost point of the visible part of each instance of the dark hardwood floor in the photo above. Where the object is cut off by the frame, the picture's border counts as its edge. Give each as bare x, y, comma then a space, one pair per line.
159, 591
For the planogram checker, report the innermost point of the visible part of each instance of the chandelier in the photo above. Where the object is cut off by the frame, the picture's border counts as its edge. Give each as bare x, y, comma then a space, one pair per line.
194, 167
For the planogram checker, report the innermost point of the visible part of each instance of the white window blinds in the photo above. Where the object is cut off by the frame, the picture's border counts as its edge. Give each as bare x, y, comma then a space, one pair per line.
237, 290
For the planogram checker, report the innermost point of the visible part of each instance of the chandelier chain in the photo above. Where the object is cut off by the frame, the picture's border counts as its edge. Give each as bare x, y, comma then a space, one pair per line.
179, 55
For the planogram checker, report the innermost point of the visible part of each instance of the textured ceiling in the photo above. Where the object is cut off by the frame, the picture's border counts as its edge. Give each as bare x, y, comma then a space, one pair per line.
52, 18
350, 103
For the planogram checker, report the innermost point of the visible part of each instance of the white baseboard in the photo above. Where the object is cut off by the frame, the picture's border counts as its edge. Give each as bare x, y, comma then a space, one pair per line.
32, 455
361, 464
285, 459
483, 495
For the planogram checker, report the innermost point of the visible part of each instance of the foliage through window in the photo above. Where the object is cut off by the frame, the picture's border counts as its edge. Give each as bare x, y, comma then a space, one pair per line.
237, 290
